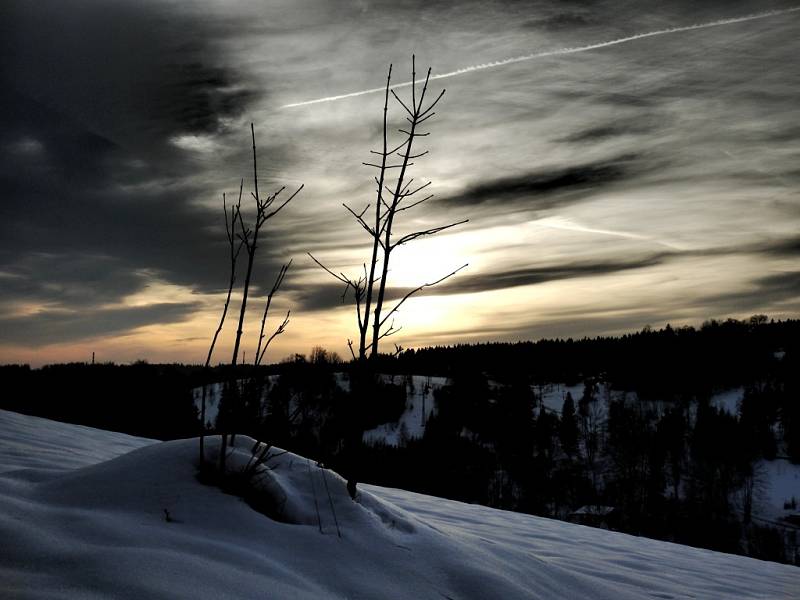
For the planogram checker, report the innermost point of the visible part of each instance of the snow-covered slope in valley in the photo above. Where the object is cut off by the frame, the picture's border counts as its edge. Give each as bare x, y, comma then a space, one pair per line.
82, 516
728, 400
420, 405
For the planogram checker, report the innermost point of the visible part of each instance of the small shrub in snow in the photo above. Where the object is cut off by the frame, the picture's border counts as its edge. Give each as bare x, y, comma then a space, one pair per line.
248, 475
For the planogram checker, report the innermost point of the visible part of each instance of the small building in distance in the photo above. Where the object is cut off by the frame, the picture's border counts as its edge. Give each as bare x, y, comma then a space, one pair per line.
595, 515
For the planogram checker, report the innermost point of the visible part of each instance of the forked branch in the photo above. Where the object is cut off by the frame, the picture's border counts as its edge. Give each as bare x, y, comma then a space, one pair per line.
275, 287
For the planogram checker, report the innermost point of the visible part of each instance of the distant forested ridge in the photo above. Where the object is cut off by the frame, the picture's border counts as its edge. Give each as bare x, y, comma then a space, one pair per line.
720, 353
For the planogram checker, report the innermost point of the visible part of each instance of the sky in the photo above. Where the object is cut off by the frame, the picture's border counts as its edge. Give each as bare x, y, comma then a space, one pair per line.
647, 181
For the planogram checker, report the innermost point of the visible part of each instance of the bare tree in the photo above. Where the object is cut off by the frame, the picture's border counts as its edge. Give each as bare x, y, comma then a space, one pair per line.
394, 195
266, 208
234, 250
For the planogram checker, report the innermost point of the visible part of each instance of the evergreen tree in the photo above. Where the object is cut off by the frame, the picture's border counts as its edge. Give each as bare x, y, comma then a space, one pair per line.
568, 432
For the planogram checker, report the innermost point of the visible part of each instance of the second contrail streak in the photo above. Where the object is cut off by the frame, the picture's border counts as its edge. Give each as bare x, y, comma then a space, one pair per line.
558, 52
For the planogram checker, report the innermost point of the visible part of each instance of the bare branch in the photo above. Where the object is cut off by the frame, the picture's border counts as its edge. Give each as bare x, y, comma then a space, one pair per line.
281, 328
407, 185
424, 114
411, 156
413, 204
414, 134
275, 287
422, 95
234, 256
360, 218
395, 149
381, 167
416, 234
415, 290
289, 199
423, 119
390, 331
406, 194
341, 278
403, 104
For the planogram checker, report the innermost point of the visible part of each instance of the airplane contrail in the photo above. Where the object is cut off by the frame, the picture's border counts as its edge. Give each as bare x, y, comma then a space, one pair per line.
558, 52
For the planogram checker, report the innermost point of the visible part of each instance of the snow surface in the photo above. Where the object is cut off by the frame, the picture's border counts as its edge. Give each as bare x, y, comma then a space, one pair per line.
213, 398
777, 482
552, 395
82, 516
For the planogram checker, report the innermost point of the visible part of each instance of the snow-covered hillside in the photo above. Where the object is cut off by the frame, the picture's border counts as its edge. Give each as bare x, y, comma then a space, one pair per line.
777, 489
82, 516
420, 405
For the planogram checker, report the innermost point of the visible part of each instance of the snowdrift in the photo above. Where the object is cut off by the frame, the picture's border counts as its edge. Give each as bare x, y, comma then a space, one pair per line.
93, 514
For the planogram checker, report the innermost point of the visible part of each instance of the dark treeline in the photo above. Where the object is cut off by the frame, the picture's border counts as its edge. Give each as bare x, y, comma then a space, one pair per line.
641, 436
721, 353
139, 399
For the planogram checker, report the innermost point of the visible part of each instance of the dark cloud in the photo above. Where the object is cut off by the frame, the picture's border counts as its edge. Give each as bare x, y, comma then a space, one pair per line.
544, 190
481, 282
642, 99
560, 21
43, 147
320, 296
780, 285
52, 327
123, 70
602, 133
763, 294
98, 199
198, 97
69, 282
786, 247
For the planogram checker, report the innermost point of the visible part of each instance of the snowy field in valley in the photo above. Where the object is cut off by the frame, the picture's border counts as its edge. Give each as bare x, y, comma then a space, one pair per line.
82, 516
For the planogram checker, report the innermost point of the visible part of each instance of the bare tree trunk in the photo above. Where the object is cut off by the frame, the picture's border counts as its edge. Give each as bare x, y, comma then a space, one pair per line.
251, 252
362, 347
251, 245
230, 227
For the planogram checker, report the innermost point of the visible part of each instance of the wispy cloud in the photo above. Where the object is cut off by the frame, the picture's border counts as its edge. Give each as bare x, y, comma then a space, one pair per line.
559, 52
